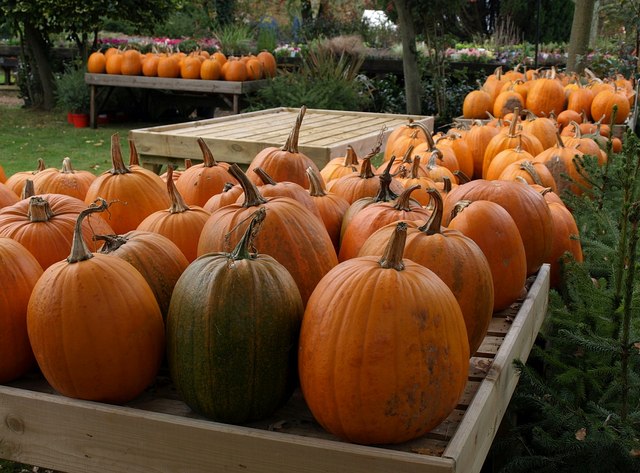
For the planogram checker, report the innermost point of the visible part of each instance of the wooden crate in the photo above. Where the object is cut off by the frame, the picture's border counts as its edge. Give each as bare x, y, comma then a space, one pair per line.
325, 134
158, 432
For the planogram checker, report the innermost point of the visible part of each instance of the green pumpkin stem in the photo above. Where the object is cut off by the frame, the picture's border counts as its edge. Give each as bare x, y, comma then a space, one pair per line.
434, 223
116, 157
392, 257
79, 249
241, 251
252, 196
291, 145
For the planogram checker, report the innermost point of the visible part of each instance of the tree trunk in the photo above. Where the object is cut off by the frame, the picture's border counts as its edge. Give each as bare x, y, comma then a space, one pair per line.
412, 85
39, 59
580, 32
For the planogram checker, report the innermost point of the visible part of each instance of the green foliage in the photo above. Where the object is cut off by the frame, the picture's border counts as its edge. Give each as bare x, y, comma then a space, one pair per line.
72, 92
556, 17
235, 39
577, 404
324, 80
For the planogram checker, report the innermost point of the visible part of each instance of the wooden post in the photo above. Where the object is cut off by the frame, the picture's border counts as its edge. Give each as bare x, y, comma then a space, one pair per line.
93, 122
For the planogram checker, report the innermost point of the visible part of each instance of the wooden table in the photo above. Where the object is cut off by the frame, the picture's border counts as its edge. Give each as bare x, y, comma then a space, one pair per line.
325, 134
209, 87
158, 433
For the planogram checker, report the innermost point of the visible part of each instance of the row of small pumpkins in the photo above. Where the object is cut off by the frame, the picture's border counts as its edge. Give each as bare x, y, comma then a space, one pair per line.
195, 65
547, 93
368, 288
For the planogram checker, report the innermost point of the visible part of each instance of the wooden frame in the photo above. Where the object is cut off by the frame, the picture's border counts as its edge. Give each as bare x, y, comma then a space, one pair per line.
211, 87
157, 432
325, 134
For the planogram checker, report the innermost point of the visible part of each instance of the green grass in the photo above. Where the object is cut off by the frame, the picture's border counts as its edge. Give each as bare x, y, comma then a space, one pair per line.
26, 135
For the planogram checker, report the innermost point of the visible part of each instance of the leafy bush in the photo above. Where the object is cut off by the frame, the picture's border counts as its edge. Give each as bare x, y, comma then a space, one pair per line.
324, 80
72, 92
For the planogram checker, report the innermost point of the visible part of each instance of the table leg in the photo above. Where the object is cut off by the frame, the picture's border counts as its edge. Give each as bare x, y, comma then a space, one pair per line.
93, 122
236, 104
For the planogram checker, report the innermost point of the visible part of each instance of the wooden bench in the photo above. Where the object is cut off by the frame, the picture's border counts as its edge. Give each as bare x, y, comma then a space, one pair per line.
158, 432
178, 86
9, 66
325, 134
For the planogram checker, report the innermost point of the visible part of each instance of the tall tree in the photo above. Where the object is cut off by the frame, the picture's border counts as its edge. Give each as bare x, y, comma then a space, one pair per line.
412, 83
580, 33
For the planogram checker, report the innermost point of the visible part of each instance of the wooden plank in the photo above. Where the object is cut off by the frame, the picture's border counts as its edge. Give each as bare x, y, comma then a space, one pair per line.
325, 134
179, 85
476, 432
79, 436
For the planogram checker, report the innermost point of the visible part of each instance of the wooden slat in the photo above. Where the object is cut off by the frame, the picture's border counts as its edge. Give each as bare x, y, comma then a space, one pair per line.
476, 432
325, 134
180, 85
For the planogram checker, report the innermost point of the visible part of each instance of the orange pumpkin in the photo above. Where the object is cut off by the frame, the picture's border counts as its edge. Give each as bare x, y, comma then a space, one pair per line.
355, 363
97, 63
134, 194
269, 63
210, 69
477, 104
236, 70
454, 258
131, 63
113, 63
156, 257
95, 327
190, 68
66, 181
168, 66
286, 163
492, 228
180, 223
19, 273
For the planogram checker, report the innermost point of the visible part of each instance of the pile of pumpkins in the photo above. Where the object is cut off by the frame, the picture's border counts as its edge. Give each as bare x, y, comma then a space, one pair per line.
368, 288
567, 97
194, 65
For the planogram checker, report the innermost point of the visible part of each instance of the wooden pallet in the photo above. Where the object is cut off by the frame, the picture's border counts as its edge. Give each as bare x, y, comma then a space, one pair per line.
158, 433
325, 134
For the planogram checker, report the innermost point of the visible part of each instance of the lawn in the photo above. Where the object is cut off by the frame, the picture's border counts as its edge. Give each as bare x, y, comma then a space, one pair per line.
26, 135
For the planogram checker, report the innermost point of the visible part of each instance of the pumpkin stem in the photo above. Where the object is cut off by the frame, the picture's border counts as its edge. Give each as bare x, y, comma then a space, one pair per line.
415, 168
133, 154
116, 157
28, 190
351, 158
315, 184
79, 250
39, 210
41, 166
291, 145
385, 194
446, 184
66, 166
207, 155
461, 176
187, 163
379, 141
392, 257
433, 225
529, 168
403, 202
241, 251
178, 205
459, 207
111, 242
427, 134
252, 196
366, 171
264, 176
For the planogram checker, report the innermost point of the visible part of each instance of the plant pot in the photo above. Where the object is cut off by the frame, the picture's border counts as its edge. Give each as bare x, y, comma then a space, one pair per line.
70, 118
80, 120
